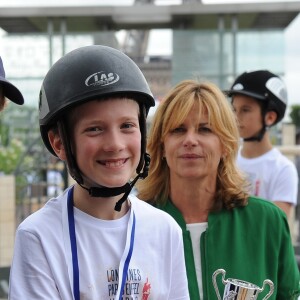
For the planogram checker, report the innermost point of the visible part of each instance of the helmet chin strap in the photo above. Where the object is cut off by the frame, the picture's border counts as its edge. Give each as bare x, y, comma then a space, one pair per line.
258, 137
115, 191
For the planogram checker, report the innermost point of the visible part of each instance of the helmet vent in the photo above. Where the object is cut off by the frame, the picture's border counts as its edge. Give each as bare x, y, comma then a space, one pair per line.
238, 87
276, 86
43, 104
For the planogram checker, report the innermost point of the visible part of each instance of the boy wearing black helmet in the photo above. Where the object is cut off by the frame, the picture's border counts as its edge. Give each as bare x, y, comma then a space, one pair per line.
96, 241
259, 100
8, 90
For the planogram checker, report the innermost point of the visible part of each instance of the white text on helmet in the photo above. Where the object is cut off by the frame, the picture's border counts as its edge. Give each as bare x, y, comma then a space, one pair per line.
102, 79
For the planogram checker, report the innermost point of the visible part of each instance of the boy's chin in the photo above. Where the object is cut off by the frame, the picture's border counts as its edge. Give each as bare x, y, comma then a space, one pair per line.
111, 184
105, 182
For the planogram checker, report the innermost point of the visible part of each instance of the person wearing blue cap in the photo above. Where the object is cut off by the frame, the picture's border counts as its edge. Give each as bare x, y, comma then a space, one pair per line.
8, 90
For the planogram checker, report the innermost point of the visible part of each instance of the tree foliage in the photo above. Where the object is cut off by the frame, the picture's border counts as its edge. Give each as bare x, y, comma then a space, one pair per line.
18, 130
10, 155
295, 115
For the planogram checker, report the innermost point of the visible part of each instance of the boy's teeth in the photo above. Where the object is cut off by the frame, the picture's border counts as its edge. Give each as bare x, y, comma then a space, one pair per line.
114, 164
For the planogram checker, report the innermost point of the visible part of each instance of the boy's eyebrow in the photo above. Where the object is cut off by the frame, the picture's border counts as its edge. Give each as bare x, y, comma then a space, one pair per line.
97, 120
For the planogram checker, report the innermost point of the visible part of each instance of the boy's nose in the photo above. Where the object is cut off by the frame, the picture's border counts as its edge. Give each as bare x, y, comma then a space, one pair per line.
113, 142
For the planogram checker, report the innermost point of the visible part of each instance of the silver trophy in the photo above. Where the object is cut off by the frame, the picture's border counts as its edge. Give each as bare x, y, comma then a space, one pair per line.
240, 290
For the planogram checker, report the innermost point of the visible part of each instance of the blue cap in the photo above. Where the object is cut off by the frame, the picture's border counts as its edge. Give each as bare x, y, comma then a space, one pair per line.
9, 90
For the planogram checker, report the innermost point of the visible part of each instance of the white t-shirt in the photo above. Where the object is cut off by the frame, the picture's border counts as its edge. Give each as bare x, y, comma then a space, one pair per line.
272, 175
196, 229
42, 262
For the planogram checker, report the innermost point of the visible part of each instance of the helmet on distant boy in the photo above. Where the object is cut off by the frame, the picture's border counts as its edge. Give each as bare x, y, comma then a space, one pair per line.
265, 87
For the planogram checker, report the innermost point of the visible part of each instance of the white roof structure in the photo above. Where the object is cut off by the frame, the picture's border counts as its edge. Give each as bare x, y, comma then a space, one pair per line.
30, 16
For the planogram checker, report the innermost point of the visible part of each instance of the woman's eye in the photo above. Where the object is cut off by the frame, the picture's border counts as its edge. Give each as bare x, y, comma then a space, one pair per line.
204, 129
178, 130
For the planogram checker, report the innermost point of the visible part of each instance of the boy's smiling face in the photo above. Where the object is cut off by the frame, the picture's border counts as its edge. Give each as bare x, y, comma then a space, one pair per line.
107, 140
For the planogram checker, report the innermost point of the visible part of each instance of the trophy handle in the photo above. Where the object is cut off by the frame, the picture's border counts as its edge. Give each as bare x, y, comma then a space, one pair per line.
270, 283
215, 281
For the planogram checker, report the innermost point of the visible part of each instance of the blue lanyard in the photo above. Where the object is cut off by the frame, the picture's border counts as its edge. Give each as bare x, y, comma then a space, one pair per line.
72, 234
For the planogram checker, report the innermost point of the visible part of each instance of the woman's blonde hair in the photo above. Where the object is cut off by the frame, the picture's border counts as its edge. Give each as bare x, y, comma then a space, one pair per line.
231, 185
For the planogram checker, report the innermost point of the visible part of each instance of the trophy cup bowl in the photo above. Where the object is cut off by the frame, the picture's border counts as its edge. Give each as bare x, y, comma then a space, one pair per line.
236, 289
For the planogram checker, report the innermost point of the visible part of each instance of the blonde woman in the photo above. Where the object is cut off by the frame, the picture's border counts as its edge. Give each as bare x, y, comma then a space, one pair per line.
193, 144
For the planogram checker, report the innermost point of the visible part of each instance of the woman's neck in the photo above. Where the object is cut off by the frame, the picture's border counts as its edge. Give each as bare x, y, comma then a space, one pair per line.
194, 200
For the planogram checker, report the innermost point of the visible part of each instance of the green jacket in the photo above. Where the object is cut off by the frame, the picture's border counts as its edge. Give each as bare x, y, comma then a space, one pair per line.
250, 243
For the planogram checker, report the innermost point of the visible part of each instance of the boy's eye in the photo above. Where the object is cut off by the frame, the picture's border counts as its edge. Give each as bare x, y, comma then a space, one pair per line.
245, 109
127, 125
94, 129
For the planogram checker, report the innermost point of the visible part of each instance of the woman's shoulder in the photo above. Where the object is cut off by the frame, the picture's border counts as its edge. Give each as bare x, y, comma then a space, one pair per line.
259, 215
262, 207
254, 201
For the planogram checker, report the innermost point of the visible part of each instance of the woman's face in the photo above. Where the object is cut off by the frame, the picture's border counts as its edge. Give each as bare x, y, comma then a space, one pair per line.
107, 140
193, 150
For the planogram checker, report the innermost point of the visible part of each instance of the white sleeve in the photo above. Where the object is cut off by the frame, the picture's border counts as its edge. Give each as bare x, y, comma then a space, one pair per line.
285, 186
179, 290
30, 277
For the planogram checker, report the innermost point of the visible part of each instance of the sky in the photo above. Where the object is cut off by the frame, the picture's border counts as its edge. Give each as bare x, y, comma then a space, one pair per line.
25, 3
164, 36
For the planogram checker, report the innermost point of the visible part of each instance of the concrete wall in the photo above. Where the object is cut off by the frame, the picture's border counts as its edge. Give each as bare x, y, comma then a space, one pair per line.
7, 219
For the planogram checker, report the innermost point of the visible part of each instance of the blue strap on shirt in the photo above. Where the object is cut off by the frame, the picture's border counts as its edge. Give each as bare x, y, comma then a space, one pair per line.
72, 233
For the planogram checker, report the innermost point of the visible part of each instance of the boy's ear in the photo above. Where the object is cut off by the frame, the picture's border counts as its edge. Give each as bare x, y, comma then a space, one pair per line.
270, 118
57, 145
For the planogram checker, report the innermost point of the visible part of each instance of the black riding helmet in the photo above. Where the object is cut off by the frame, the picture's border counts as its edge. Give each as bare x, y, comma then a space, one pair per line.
265, 87
84, 74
